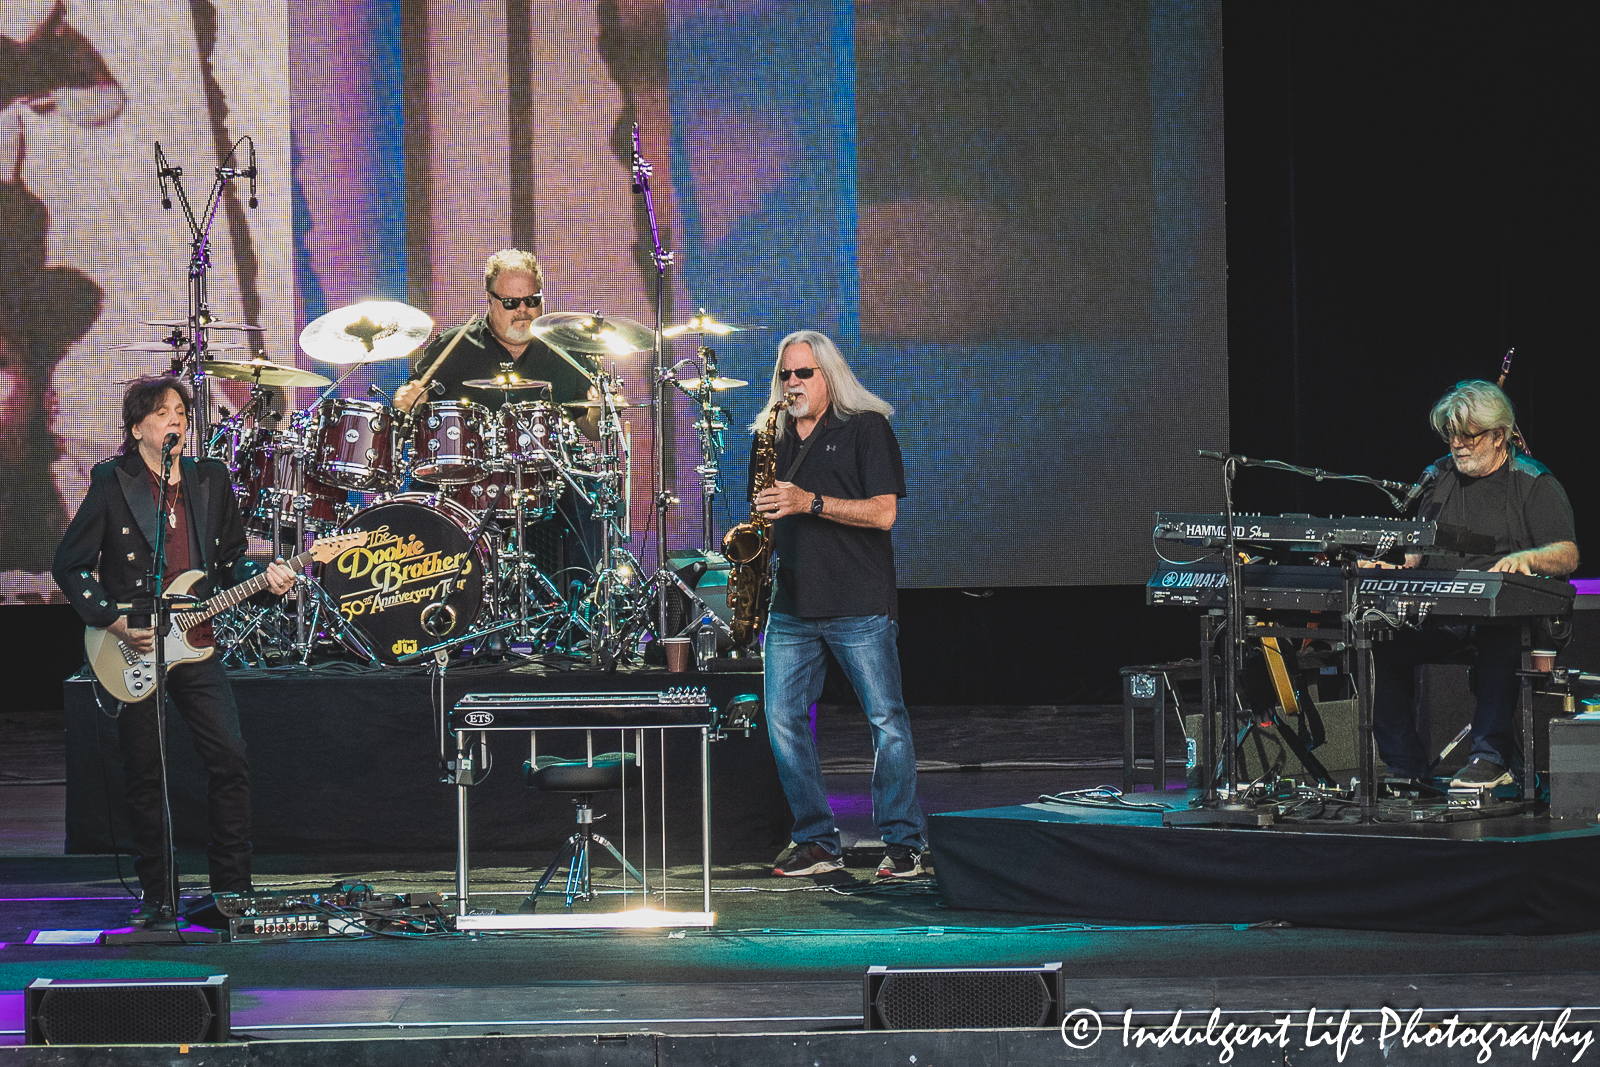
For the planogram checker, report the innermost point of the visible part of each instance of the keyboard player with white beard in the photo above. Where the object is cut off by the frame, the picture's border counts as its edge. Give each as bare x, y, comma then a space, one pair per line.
1490, 487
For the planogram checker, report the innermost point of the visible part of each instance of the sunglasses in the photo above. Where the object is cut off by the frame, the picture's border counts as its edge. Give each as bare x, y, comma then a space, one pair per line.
1469, 439
803, 373
511, 303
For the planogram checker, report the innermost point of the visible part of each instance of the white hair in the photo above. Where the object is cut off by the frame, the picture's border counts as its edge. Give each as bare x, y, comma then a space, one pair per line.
846, 395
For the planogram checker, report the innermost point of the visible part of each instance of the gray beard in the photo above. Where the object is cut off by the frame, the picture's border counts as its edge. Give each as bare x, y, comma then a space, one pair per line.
799, 406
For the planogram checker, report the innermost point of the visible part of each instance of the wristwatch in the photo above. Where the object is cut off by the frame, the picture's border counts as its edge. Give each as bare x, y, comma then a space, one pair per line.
816, 504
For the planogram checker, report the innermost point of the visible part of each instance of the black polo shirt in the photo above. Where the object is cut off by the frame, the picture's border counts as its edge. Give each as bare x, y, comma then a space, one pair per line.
480, 354
827, 569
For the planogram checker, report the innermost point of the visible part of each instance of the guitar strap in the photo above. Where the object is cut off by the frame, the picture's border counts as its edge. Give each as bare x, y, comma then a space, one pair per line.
800, 457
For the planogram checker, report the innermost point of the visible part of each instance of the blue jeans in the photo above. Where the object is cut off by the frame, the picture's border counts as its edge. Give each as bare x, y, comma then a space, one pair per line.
795, 669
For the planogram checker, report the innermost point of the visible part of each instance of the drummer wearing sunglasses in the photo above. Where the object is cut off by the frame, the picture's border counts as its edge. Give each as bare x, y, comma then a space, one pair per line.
513, 297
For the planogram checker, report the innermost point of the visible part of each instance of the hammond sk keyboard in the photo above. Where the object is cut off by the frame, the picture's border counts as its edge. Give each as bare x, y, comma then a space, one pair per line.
1418, 594
1378, 535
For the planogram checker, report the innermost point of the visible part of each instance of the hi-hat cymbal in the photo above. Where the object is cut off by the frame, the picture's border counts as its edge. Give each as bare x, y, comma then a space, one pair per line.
264, 372
505, 381
703, 324
717, 384
593, 335
163, 346
214, 324
366, 333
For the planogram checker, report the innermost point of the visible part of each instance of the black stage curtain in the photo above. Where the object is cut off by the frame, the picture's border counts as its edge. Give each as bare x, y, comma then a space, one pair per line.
345, 763
1451, 882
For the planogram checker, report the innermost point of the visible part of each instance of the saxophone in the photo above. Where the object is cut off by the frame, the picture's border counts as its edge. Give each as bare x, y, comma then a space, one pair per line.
748, 546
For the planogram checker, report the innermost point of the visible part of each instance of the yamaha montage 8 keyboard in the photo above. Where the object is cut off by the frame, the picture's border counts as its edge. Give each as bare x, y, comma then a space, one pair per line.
1414, 593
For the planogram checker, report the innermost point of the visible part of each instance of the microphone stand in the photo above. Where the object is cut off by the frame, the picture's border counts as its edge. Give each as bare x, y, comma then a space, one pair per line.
1357, 632
161, 620
199, 264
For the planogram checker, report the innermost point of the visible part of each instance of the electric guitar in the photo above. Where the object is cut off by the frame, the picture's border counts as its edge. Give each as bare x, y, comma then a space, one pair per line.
130, 675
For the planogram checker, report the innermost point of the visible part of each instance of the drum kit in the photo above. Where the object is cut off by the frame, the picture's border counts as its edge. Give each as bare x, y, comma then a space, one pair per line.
453, 492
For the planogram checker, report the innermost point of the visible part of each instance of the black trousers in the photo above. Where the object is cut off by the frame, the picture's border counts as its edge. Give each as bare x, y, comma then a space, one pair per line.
201, 694
1495, 652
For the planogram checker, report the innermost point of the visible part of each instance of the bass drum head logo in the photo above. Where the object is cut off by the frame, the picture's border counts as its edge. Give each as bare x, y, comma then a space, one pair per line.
418, 581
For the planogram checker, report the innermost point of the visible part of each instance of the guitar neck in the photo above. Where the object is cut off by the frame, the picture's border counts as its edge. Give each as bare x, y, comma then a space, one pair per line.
236, 595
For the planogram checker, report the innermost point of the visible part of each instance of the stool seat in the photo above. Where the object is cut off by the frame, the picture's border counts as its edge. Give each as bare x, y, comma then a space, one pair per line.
552, 774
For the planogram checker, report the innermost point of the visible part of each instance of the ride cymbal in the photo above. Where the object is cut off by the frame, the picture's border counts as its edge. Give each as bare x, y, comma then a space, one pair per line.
366, 333
592, 335
264, 372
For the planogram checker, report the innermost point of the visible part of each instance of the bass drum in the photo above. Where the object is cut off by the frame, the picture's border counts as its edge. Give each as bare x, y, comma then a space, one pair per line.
420, 580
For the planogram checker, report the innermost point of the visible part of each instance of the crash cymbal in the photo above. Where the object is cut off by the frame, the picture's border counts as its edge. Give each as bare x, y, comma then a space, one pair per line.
505, 381
366, 333
594, 335
703, 324
163, 346
214, 324
264, 372
717, 384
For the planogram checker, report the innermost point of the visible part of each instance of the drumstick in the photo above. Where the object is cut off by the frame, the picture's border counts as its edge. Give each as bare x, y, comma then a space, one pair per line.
436, 364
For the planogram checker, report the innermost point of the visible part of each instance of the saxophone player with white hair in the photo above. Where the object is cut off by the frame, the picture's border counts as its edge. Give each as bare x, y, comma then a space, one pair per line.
831, 509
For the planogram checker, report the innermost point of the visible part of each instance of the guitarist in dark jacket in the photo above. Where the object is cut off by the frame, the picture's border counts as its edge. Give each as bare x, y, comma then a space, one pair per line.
114, 532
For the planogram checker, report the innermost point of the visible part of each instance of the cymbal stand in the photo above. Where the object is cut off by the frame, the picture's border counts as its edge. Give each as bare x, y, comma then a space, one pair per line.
658, 390
708, 427
199, 264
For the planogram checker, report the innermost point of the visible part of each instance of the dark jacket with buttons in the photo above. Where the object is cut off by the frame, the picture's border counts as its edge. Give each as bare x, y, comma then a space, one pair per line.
114, 532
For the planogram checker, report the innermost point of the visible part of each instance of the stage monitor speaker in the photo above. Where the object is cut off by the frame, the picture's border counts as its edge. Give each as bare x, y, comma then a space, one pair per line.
1264, 755
100, 1011
961, 998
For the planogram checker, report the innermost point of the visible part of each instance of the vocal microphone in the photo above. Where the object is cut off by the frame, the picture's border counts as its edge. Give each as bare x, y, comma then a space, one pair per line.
168, 444
1417, 490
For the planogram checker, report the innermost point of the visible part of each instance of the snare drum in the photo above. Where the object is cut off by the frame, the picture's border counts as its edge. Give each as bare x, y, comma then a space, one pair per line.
494, 494
353, 444
448, 442
271, 468
529, 433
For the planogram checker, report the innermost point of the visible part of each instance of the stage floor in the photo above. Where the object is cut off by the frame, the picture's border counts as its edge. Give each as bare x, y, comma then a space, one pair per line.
786, 956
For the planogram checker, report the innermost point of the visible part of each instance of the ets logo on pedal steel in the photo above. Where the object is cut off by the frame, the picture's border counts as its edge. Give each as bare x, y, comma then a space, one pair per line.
478, 718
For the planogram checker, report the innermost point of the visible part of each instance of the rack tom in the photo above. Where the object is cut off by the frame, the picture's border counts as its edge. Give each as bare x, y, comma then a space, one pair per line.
271, 475
354, 444
495, 494
529, 433
448, 442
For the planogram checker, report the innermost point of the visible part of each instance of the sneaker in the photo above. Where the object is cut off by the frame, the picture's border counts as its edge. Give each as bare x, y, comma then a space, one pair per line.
901, 862
809, 858
1481, 774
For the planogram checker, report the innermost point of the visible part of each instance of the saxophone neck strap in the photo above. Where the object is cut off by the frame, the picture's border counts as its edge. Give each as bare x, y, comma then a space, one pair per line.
800, 457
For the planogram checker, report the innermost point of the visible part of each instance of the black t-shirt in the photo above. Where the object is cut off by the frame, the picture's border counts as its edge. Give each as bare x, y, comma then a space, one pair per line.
1520, 505
480, 354
827, 569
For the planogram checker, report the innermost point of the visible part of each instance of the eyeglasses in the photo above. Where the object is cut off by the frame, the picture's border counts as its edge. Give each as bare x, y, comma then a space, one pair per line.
511, 303
1469, 439
803, 373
